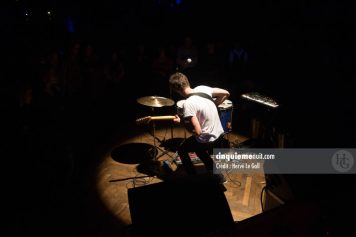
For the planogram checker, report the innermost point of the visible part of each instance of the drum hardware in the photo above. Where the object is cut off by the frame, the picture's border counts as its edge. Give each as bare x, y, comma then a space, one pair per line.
225, 111
155, 102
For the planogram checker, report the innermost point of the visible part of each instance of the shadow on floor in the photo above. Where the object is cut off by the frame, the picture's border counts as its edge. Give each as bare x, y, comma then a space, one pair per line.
133, 153
172, 144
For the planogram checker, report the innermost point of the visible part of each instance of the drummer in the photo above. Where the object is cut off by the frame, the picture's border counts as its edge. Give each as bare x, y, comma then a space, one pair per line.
201, 118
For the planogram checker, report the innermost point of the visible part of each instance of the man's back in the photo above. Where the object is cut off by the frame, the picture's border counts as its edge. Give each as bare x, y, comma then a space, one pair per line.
206, 112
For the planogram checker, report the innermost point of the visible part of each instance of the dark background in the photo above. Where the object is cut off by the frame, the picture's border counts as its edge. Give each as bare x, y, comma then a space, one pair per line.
300, 53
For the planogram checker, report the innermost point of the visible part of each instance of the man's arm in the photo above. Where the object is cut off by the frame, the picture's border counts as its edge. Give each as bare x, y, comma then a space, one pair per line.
192, 124
220, 95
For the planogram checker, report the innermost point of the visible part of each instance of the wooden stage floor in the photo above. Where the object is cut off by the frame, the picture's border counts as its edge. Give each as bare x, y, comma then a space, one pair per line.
121, 169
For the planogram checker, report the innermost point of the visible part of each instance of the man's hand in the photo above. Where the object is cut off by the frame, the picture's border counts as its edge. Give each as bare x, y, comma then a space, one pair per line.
220, 95
176, 119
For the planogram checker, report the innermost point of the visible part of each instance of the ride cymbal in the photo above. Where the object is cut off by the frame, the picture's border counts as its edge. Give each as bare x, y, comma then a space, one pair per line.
155, 101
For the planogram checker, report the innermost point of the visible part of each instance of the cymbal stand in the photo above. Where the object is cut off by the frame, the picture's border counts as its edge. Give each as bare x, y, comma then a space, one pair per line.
154, 140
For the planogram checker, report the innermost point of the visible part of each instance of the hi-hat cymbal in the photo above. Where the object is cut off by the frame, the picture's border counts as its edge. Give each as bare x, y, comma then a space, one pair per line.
155, 101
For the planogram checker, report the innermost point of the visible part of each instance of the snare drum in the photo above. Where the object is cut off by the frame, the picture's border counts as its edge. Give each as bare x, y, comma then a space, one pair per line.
225, 111
179, 106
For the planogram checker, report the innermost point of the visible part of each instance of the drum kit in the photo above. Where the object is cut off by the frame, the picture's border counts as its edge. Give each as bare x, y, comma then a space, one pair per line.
225, 112
154, 102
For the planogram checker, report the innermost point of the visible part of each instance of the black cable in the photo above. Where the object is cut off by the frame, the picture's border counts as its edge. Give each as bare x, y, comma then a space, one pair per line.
138, 181
236, 182
262, 191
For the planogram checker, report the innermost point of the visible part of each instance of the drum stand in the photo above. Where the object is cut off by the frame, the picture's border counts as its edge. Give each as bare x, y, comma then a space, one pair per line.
232, 144
155, 153
153, 165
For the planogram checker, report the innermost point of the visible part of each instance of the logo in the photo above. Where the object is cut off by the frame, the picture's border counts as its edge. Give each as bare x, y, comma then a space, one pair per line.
342, 161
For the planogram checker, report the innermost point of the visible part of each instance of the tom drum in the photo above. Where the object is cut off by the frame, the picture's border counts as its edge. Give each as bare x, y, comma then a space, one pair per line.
225, 111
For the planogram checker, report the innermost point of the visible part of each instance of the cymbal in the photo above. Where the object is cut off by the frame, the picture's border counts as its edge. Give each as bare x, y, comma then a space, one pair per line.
155, 101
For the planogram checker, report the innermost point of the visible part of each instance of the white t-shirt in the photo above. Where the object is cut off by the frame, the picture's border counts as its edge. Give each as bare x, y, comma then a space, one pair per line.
206, 112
